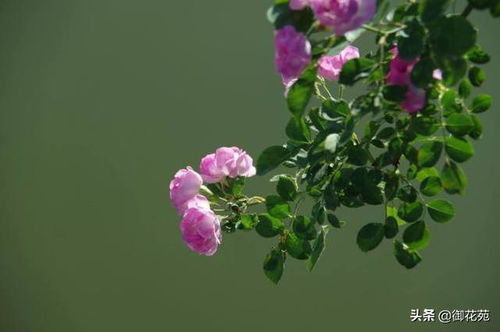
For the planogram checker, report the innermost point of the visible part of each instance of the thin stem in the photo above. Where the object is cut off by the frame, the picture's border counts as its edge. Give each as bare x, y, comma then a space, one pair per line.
467, 10
341, 91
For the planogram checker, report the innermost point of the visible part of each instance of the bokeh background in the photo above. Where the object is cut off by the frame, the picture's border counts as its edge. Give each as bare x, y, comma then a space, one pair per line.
101, 101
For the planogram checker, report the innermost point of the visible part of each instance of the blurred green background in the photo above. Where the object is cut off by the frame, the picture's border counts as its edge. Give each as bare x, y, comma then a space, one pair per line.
101, 101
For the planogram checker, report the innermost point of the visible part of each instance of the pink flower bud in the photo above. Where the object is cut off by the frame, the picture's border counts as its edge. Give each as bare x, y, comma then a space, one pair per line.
329, 67
293, 52
184, 187
298, 4
201, 231
344, 15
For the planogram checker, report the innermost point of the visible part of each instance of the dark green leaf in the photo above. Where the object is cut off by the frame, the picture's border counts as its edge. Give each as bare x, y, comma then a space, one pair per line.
318, 248
430, 10
417, 236
304, 228
298, 130
271, 158
277, 207
422, 73
482, 103
273, 265
405, 256
297, 247
477, 76
355, 69
478, 55
370, 236
429, 154
391, 227
335, 222
301, 91
412, 45
269, 226
407, 194
459, 124
431, 186
452, 36
477, 129
410, 212
287, 188
453, 178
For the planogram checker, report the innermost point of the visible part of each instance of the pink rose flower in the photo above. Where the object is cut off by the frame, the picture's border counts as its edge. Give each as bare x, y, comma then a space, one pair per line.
199, 202
231, 162
185, 185
344, 15
399, 74
201, 231
298, 4
329, 67
293, 52
209, 170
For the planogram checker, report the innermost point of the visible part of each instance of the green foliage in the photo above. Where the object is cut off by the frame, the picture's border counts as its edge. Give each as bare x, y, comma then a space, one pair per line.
393, 163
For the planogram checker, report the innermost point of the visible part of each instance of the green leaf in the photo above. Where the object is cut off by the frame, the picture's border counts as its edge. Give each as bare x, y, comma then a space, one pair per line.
336, 108
464, 89
417, 236
271, 158
480, 4
318, 248
477, 76
429, 154
441, 210
298, 130
411, 212
407, 194
356, 69
422, 73
304, 228
287, 188
391, 227
478, 55
412, 45
277, 207
481, 103
454, 69
477, 130
405, 256
273, 265
297, 247
395, 93
431, 10
453, 178
459, 149
301, 91
319, 212
452, 36
358, 156
280, 15
335, 222
424, 173
269, 226
459, 124
431, 186
392, 211
247, 222
449, 102
370, 236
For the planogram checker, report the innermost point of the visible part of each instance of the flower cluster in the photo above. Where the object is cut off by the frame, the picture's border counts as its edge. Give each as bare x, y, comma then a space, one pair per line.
342, 15
200, 226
